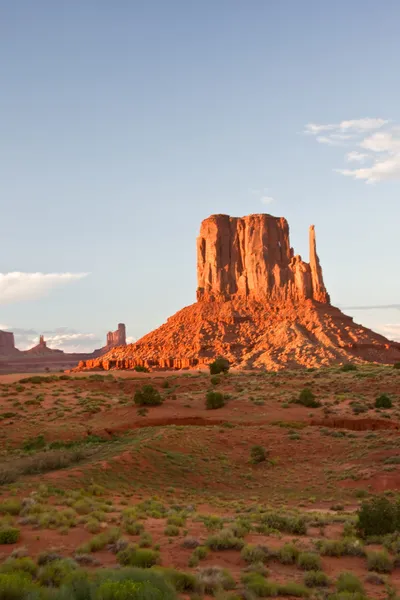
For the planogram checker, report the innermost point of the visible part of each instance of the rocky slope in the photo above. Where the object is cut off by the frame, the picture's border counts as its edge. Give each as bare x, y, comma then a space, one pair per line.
258, 304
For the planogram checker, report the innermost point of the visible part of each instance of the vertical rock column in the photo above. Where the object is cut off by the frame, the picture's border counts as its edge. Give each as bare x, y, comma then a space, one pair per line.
318, 287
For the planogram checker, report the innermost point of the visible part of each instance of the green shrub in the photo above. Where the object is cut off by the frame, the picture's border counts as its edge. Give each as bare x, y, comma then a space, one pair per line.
348, 367
171, 530
377, 516
9, 535
181, 581
347, 582
383, 401
214, 400
100, 541
11, 506
24, 564
288, 554
254, 554
258, 454
220, 365
380, 562
344, 547
307, 398
54, 573
133, 527
287, 524
141, 369
396, 365
316, 579
147, 396
309, 561
225, 540
127, 590
150, 585
138, 557
215, 380
16, 586
293, 589
258, 585
36, 443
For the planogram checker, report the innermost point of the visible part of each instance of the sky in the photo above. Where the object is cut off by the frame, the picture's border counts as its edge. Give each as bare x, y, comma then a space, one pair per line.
123, 124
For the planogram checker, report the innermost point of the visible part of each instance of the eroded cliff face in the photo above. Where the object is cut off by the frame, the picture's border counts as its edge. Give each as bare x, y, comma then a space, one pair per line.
252, 257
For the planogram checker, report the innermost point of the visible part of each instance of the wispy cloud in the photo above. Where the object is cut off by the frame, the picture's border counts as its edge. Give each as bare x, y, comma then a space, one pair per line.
355, 156
379, 140
27, 286
263, 195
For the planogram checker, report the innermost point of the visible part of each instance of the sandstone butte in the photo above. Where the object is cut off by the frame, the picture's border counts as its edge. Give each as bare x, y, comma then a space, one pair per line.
258, 304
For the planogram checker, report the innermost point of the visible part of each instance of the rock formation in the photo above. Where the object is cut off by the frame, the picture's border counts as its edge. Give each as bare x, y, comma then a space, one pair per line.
258, 304
251, 257
41, 348
7, 345
117, 338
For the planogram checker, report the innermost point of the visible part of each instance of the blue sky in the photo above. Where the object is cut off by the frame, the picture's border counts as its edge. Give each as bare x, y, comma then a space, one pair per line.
123, 124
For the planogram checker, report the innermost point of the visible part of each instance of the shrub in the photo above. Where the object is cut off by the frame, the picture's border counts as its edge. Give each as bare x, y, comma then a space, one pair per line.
127, 590
9, 535
147, 396
396, 365
258, 585
181, 581
150, 585
24, 564
347, 582
191, 543
377, 516
138, 557
48, 556
141, 369
309, 561
293, 589
294, 525
214, 400
383, 401
344, 547
348, 367
54, 573
258, 454
100, 541
214, 579
36, 443
379, 562
225, 540
171, 530
11, 506
253, 554
16, 586
220, 365
215, 380
316, 579
307, 398
288, 554
133, 527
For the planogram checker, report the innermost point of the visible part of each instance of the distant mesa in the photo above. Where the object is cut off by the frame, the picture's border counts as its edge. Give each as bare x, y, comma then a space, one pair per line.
41, 348
7, 344
258, 304
41, 357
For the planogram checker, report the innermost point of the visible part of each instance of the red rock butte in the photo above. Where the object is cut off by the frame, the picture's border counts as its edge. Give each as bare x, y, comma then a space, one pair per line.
258, 304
